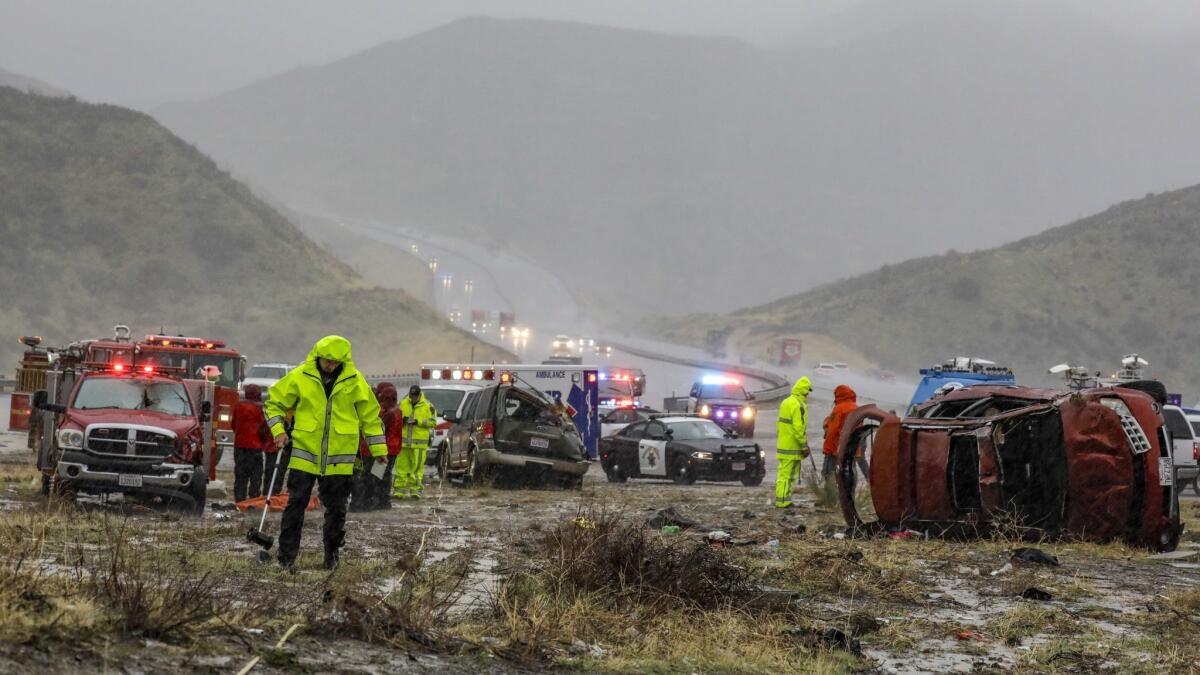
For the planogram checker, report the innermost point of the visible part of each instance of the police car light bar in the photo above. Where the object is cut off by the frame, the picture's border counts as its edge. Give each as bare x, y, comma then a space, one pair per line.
719, 379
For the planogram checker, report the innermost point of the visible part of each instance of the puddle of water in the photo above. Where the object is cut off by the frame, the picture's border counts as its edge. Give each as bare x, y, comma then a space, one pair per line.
482, 580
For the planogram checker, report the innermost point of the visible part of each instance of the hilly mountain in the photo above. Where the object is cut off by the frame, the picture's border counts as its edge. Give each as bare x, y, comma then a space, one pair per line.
29, 84
712, 171
1122, 281
106, 217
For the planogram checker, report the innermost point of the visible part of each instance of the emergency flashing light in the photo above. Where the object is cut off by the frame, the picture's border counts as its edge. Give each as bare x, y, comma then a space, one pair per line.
147, 369
719, 379
591, 378
118, 367
468, 374
505, 378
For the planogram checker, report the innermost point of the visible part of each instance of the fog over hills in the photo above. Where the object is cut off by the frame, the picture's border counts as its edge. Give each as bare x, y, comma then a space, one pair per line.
106, 217
1087, 293
715, 172
29, 84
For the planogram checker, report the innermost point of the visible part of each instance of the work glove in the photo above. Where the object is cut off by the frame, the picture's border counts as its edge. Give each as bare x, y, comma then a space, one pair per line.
379, 469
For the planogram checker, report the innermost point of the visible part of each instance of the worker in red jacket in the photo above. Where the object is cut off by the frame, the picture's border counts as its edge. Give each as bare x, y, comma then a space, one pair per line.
370, 493
250, 432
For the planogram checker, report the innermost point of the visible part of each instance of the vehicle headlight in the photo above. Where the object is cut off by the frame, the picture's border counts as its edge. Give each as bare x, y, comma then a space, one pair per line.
701, 455
70, 438
705, 410
762, 454
747, 413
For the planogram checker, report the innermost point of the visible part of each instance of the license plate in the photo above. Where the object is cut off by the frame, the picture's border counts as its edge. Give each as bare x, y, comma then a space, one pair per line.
739, 466
129, 480
536, 442
1166, 473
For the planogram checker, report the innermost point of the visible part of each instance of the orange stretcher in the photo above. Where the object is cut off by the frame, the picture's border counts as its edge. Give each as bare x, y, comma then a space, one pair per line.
274, 503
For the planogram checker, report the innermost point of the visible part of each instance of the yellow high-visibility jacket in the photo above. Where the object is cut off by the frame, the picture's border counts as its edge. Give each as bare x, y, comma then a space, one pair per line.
426, 417
325, 431
792, 426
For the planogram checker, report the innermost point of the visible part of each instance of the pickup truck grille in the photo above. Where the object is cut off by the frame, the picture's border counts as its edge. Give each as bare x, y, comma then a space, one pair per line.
130, 441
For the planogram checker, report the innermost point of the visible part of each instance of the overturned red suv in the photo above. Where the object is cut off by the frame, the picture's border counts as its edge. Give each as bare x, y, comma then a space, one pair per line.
1093, 465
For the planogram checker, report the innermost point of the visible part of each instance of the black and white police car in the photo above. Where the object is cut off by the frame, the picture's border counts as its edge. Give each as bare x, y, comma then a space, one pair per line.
682, 448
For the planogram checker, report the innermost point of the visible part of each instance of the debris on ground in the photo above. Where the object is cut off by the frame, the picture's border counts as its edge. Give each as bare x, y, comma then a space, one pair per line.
1035, 556
828, 638
968, 635
1036, 594
1003, 570
718, 539
669, 516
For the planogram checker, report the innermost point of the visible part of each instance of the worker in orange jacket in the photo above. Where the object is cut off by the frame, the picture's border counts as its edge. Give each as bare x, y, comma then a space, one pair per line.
845, 401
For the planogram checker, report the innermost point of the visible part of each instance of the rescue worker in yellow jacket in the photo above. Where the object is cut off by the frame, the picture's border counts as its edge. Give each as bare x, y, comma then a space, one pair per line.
419, 420
332, 405
791, 444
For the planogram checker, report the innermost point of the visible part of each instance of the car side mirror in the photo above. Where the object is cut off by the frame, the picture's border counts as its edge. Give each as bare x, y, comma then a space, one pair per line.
41, 401
451, 418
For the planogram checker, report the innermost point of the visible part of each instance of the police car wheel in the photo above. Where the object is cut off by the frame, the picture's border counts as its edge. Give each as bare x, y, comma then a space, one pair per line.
615, 475
681, 471
750, 480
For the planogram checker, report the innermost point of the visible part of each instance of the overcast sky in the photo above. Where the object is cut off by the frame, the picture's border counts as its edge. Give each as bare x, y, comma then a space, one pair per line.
145, 52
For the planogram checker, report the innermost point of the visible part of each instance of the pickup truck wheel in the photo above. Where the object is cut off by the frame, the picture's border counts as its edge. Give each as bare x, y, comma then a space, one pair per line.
199, 492
681, 471
62, 489
1196, 486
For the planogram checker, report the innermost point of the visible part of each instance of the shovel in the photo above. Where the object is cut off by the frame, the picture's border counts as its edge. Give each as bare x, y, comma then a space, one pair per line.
256, 535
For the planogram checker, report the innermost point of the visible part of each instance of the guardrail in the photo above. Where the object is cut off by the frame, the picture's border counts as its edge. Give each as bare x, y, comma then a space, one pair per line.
780, 387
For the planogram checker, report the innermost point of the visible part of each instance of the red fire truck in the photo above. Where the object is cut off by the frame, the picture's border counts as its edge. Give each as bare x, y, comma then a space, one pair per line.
186, 355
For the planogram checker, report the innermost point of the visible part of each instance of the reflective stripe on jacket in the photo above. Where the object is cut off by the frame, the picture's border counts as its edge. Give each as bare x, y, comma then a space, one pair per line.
326, 430
792, 426
417, 436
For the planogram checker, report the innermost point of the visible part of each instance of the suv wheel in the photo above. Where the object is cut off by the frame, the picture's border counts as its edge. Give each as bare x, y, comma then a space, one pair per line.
443, 463
681, 471
473, 473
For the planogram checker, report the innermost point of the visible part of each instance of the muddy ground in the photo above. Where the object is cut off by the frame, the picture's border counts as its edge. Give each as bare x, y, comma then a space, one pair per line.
479, 579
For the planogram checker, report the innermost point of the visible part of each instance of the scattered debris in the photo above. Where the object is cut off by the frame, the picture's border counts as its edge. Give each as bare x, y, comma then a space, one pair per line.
968, 635
718, 539
670, 529
828, 638
748, 515
1035, 556
669, 516
1003, 570
1036, 594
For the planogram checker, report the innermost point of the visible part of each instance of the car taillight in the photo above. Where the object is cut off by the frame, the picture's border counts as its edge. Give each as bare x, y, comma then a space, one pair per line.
443, 426
488, 429
1196, 451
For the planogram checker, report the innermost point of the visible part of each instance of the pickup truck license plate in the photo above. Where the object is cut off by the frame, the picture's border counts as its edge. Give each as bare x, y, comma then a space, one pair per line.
129, 480
739, 466
536, 442
1166, 473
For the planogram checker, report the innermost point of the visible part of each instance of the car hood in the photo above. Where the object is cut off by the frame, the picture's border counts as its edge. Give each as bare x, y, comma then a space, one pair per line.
715, 444
149, 418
